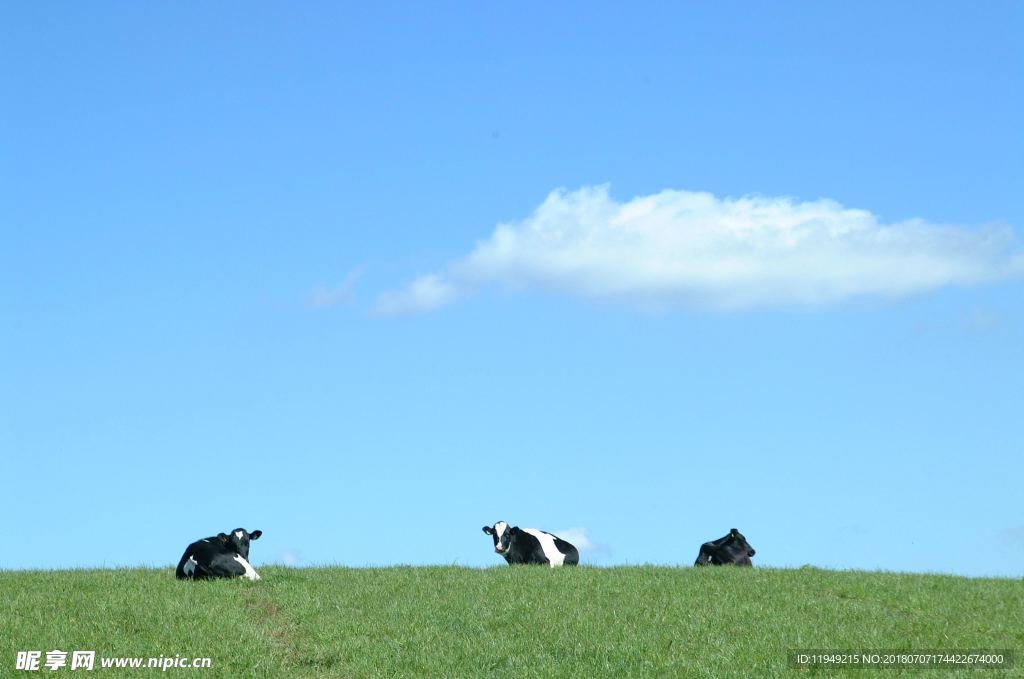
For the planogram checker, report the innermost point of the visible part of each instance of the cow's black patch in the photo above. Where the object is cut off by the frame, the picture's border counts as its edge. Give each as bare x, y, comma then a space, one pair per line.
731, 549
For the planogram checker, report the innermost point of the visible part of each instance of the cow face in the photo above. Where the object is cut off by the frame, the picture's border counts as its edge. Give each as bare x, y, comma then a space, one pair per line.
738, 544
238, 540
502, 535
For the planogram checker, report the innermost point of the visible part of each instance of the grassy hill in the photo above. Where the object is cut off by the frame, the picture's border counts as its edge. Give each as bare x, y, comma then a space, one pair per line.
521, 621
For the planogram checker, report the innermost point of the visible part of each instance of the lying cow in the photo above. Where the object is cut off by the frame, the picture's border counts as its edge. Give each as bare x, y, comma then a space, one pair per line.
732, 549
529, 545
222, 556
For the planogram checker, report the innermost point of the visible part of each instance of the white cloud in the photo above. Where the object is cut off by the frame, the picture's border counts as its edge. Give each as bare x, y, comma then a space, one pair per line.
579, 537
343, 293
1015, 535
980, 319
289, 557
690, 249
426, 293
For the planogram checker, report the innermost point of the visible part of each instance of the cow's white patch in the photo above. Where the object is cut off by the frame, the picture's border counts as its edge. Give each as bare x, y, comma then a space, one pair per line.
250, 572
499, 530
238, 534
547, 543
190, 566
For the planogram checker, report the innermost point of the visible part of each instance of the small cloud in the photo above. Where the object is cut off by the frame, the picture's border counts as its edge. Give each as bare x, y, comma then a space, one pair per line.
1015, 535
344, 293
289, 557
974, 321
426, 293
983, 320
694, 250
580, 538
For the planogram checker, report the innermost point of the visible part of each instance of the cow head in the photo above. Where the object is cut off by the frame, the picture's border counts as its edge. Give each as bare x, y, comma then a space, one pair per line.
238, 540
502, 534
739, 545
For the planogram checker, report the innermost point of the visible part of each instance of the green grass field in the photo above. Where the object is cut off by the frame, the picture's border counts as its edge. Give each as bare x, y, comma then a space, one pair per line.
519, 621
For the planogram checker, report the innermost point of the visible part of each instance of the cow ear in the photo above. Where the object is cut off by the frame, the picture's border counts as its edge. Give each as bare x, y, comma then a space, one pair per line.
733, 532
223, 537
255, 535
488, 530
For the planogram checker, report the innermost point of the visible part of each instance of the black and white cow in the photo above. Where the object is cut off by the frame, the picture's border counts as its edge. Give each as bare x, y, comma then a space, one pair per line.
732, 549
226, 555
529, 545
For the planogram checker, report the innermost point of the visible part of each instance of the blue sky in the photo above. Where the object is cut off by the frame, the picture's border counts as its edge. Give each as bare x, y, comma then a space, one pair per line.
369, 278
